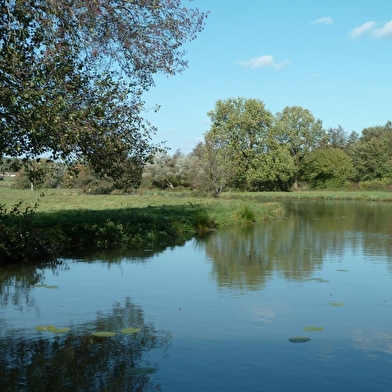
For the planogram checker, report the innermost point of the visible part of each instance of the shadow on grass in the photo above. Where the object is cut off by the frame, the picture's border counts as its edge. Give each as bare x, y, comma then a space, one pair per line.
49, 234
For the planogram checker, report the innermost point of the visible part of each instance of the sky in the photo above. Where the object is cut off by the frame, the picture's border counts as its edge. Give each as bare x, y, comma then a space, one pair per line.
332, 57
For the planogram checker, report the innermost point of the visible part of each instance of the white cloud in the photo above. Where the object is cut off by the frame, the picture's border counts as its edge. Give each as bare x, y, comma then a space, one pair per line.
264, 61
326, 20
361, 29
384, 31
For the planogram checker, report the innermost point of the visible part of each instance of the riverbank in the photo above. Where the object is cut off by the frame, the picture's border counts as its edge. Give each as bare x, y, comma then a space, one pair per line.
65, 220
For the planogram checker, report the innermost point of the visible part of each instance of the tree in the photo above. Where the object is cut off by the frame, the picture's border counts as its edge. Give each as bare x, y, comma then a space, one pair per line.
300, 132
72, 74
336, 137
240, 128
372, 154
272, 170
327, 166
209, 169
166, 171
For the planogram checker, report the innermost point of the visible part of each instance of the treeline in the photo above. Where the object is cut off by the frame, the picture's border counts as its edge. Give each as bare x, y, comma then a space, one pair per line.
246, 148
249, 148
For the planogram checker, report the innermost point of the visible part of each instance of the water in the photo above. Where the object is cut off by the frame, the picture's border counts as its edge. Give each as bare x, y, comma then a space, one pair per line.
215, 314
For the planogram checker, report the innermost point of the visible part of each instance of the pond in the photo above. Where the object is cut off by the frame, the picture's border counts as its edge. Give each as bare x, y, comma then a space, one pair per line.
302, 303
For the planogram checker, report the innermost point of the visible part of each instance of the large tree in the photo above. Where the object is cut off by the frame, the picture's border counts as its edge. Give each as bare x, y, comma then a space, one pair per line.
372, 154
72, 74
240, 128
300, 132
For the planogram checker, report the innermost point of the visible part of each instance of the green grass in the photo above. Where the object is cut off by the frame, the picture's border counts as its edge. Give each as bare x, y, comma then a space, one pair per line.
67, 219
315, 195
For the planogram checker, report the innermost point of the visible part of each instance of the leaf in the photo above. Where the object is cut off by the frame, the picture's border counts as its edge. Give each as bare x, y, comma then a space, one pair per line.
299, 339
60, 330
41, 285
312, 328
104, 334
336, 303
130, 330
43, 328
51, 328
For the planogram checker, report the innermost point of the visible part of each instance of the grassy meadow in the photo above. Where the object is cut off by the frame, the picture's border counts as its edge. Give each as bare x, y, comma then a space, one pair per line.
67, 219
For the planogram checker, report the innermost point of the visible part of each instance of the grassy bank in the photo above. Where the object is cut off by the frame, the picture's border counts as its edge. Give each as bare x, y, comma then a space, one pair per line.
314, 195
66, 220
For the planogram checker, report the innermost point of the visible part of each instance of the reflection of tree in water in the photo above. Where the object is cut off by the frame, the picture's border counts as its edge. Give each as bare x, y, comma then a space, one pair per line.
16, 282
246, 257
296, 245
82, 362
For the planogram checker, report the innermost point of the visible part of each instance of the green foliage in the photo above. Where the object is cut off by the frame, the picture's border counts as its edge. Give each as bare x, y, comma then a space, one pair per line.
372, 154
72, 75
375, 185
300, 132
272, 170
246, 214
327, 168
239, 130
203, 221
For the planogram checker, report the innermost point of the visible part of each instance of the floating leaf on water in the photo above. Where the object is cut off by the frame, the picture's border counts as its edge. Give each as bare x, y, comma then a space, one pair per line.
312, 328
299, 339
51, 328
104, 334
60, 330
336, 303
342, 270
46, 286
48, 328
320, 280
130, 330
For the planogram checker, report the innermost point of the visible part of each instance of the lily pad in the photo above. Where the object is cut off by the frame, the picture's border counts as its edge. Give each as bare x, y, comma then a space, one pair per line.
130, 330
105, 334
320, 280
299, 339
38, 285
60, 330
312, 328
43, 328
336, 303
51, 328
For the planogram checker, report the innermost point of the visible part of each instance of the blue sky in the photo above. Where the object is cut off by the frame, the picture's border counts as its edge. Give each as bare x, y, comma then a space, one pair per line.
332, 57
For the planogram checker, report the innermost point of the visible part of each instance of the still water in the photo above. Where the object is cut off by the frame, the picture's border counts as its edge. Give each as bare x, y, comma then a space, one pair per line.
215, 314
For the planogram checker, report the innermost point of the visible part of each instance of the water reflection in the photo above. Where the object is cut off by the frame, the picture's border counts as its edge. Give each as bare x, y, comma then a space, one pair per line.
295, 247
79, 361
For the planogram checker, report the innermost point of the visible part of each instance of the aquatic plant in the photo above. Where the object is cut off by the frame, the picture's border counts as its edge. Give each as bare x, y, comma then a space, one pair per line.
104, 334
51, 328
38, 285
299, 339
312, 328
130, 330
246, 214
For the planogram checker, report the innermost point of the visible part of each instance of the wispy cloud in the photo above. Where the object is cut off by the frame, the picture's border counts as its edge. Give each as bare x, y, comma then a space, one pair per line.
384, 31
370, 27
325, 20
362, 29
264, 61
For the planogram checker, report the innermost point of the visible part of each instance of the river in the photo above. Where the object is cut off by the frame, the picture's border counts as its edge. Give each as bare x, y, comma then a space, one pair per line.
301, 303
